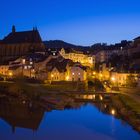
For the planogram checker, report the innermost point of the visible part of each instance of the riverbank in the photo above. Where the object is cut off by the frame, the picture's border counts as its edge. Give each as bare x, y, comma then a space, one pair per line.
37, 89
128, 109
134, 93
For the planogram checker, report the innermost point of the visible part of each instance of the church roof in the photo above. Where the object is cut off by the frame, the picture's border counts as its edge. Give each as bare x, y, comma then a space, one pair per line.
22, 37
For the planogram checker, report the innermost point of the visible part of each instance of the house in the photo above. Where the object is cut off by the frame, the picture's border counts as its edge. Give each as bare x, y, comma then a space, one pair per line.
77, 73
4, 70
57, 69
25, 66
60, 69
122, 79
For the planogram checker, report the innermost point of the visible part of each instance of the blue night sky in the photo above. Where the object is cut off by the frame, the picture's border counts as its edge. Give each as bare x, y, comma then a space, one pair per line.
76, 21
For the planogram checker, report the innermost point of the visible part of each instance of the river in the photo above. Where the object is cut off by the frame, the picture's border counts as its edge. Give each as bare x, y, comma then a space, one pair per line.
80, 121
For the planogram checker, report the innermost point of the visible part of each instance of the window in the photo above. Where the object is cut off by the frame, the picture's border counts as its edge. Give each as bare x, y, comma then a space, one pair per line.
79, 79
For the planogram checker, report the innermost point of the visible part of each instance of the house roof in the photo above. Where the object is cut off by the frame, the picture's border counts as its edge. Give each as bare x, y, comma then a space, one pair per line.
36, 57
137, 38
22, 37
80, 66
59, 63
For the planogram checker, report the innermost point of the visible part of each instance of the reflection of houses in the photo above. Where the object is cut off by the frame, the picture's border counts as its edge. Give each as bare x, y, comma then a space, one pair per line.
18, 44
78, 56
20, 115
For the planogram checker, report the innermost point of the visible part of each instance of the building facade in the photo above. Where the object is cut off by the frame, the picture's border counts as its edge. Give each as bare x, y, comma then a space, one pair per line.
17, 44
78, 56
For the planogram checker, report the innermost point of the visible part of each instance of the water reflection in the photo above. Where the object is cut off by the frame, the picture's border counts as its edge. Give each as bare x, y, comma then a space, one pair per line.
62, 117
18, 114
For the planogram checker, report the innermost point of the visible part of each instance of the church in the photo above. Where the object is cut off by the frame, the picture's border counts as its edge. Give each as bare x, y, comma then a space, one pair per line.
18, 44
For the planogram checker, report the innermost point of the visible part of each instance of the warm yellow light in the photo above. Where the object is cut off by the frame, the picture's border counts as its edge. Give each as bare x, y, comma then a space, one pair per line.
23, 61
67, 78
101, 75
94, 97
113, 112
94, 73
52, 75
10, 74
101, 98
113, 79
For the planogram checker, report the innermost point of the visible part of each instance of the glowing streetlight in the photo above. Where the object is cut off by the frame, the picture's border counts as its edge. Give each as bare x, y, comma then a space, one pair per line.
113, 79
23, 61
10, 74
101, 75
94, 97
67, 78
101, 98
94, 73
113, 112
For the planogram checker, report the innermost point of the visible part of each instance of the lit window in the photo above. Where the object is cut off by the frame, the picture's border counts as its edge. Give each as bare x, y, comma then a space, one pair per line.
23, 61
31, 63
25, 67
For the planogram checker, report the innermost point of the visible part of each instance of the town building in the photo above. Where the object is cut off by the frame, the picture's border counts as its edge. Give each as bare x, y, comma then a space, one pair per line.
78, 56
4, 70
123, 79
61, 69
17, 44
134, 52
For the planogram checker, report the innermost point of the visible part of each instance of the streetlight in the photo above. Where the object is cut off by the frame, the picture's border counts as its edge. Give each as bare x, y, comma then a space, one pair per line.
23, 63
94, 73
10, 74
67, 78
113, 79
113, 112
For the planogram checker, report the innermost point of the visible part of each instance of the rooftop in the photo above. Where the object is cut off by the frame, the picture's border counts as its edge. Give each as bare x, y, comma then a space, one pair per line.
32, 36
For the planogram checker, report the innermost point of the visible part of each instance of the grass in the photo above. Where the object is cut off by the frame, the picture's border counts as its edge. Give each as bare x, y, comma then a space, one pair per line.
36, 89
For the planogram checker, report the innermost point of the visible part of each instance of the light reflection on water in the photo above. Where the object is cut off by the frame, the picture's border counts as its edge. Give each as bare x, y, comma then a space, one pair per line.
79, 122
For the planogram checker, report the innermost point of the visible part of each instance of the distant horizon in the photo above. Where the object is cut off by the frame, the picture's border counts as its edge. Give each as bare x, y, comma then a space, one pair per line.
73, 43
81, 22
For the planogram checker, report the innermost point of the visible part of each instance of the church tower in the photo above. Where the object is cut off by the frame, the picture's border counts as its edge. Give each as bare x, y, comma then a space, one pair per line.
13, 29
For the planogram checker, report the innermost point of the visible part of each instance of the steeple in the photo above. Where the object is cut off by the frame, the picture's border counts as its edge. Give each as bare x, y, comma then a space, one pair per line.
34, 28
13, 29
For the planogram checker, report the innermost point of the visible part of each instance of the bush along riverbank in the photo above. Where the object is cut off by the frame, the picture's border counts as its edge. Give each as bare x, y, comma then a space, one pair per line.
128, 109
